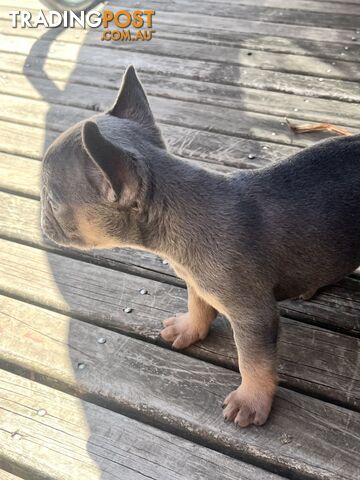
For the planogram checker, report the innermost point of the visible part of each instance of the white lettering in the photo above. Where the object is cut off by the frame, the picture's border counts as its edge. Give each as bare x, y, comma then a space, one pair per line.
41, 20
25, 18
54, 19
53, 15
73, 18
13, 15
96, 22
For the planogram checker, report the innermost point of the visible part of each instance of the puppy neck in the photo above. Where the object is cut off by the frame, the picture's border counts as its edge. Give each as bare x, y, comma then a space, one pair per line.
186, 204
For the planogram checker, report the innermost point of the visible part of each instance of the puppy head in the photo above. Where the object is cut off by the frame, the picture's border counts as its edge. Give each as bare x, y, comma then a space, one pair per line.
96, 177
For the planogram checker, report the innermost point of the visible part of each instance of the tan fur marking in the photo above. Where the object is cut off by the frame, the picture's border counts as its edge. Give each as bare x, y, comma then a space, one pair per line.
187, 328
259, 378
205, 296
201, 313
91, 233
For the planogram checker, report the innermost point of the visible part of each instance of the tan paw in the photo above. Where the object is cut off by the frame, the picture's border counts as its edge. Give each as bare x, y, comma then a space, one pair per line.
244, 409
182, 332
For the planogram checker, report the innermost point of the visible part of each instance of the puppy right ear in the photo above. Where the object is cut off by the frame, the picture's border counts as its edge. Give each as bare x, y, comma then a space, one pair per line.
132, 104
123, 174
131, 101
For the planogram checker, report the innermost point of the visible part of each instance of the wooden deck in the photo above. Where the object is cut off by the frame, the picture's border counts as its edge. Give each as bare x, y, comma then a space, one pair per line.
88, 391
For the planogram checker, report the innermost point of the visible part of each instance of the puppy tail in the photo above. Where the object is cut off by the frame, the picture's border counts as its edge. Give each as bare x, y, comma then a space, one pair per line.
318, 127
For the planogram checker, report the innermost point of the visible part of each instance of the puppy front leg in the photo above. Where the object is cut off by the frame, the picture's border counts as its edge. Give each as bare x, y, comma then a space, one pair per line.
187, 328
255, 333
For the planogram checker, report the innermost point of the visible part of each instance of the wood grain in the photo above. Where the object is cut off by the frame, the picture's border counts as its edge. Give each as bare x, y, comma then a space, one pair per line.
314, 65
267, 42
268, 11
302, 5
8, 476
261, 19
30, 142
262, 12
215, 151
231, 41
335, 35
208, 71
304, 436
220, 120
88, 87
48, 434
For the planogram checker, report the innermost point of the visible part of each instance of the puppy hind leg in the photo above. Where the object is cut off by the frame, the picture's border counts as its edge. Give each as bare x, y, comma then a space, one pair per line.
187, 328
255, 332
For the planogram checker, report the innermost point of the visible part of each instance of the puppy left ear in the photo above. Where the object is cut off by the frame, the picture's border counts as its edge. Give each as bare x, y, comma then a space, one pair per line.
132, 104
124, 177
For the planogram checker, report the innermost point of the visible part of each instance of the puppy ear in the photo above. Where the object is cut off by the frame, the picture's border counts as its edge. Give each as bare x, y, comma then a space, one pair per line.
124, 176
132, 104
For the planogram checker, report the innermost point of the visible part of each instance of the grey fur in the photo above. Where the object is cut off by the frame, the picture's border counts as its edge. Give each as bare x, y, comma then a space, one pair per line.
247, 239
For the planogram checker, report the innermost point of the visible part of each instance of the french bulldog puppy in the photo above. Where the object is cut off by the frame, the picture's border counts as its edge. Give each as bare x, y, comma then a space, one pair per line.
241, 242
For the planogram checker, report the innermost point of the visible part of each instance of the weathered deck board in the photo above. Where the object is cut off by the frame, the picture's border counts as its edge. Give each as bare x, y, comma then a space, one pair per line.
227, 44
57, 118
310, 359
207, 118
172, 13
99, 94
264, 42
20, 175
211, 149
28, 142
260, 13
73, 439
8, 476
201, 70
304, 436
216, 55
296, 13
179, 113
23, 140
294, 5
337, 35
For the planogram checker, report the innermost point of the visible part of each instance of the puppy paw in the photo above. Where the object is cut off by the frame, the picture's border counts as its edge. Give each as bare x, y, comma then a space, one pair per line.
245, 409
182, 331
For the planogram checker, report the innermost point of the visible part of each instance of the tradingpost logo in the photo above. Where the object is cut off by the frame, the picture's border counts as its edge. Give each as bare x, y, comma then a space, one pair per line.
122, 25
